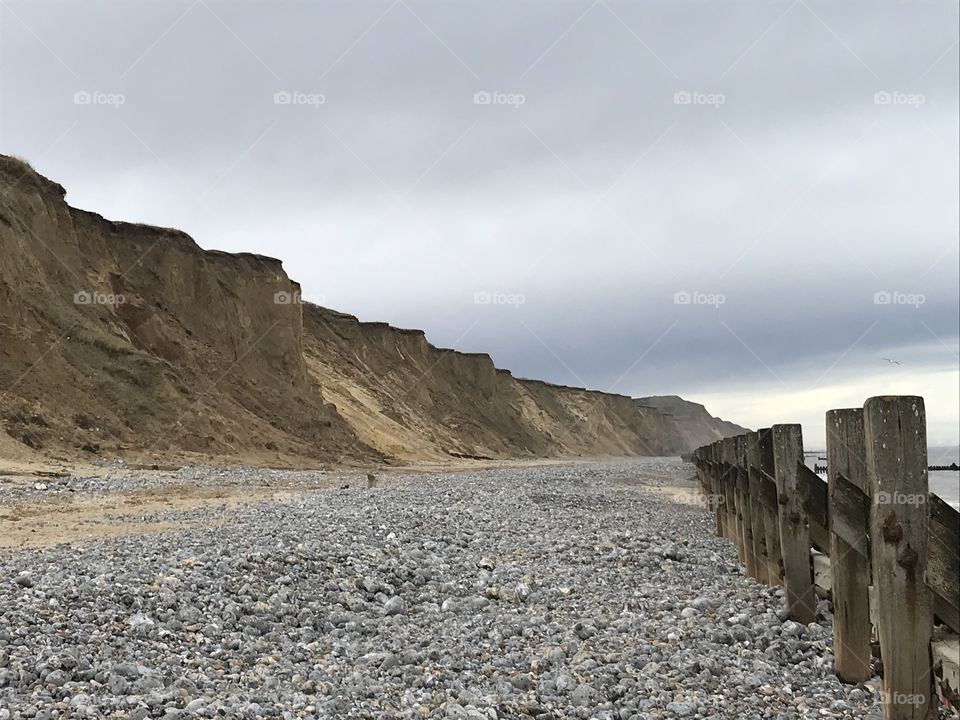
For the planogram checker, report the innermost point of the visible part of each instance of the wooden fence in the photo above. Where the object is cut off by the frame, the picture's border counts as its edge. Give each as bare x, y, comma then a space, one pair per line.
892, 546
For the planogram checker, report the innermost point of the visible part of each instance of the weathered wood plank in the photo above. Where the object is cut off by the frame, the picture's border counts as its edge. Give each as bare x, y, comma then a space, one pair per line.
717, 496
946, 613
771, 506
850, 570
754, 481
794, 533
729, 490
896, 442
745, 505
814, 491
943, 561
850, 514
697, 467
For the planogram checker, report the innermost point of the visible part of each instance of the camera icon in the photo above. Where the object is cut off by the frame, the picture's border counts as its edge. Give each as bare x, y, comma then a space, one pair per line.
682, 298
882, 297
82, 97
286, 298
482, 297
883, 498
82, 298
882, 98
282, 98
682, 97
482, 98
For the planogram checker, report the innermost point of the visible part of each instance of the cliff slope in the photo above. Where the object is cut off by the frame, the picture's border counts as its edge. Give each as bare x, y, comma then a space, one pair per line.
411, 400
117, 337
126, 339
695, 425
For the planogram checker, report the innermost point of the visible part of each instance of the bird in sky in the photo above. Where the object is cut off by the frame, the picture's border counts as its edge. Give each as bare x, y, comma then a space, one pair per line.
892, 362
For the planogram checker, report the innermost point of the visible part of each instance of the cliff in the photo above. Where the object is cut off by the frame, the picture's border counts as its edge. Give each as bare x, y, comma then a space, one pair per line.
117, 337
411, 400
695, 425
127, 339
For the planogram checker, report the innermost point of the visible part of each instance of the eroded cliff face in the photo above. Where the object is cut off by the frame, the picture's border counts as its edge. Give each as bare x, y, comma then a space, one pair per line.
411, 400
125, 339
118, 337
695, 425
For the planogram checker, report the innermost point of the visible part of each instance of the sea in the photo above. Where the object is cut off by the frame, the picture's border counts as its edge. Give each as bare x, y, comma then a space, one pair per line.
945, 483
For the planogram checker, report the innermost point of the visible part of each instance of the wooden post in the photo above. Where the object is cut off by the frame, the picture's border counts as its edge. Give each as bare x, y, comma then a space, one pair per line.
849, 543
756, 508
896, 441
730, 492
744, 505
698, 469
770, 506
703, 462
699, 460
722, 491
721, 488
794, 534
716, 496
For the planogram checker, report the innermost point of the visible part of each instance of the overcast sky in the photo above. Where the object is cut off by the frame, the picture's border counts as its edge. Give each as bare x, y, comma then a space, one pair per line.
548, 182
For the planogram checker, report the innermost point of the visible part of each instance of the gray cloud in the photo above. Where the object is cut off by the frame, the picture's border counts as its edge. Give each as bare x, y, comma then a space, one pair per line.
793, 158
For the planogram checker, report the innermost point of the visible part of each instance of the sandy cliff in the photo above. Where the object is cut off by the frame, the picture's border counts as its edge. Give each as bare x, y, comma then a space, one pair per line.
117, 338
409, 399
695, 425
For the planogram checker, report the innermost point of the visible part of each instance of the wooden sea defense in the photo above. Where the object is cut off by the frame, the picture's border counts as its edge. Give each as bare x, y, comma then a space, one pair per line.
849, 543
896, 442
794, 534
770, 506
745, 504
758, 519
730, 492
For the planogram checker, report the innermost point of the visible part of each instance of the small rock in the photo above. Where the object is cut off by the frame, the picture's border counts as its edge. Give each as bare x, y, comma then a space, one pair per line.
395, 606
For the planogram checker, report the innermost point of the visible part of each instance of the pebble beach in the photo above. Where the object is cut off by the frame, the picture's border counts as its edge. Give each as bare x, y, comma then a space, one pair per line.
594, 590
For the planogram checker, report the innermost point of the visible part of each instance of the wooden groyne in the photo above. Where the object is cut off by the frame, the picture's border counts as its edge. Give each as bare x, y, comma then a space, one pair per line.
886, 548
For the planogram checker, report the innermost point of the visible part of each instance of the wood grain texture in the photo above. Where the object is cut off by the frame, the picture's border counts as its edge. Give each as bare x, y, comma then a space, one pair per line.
850, 567
896, 443
794, 532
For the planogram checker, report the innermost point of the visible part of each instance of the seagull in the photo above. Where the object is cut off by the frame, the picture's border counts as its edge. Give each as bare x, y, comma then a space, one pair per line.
892, 362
